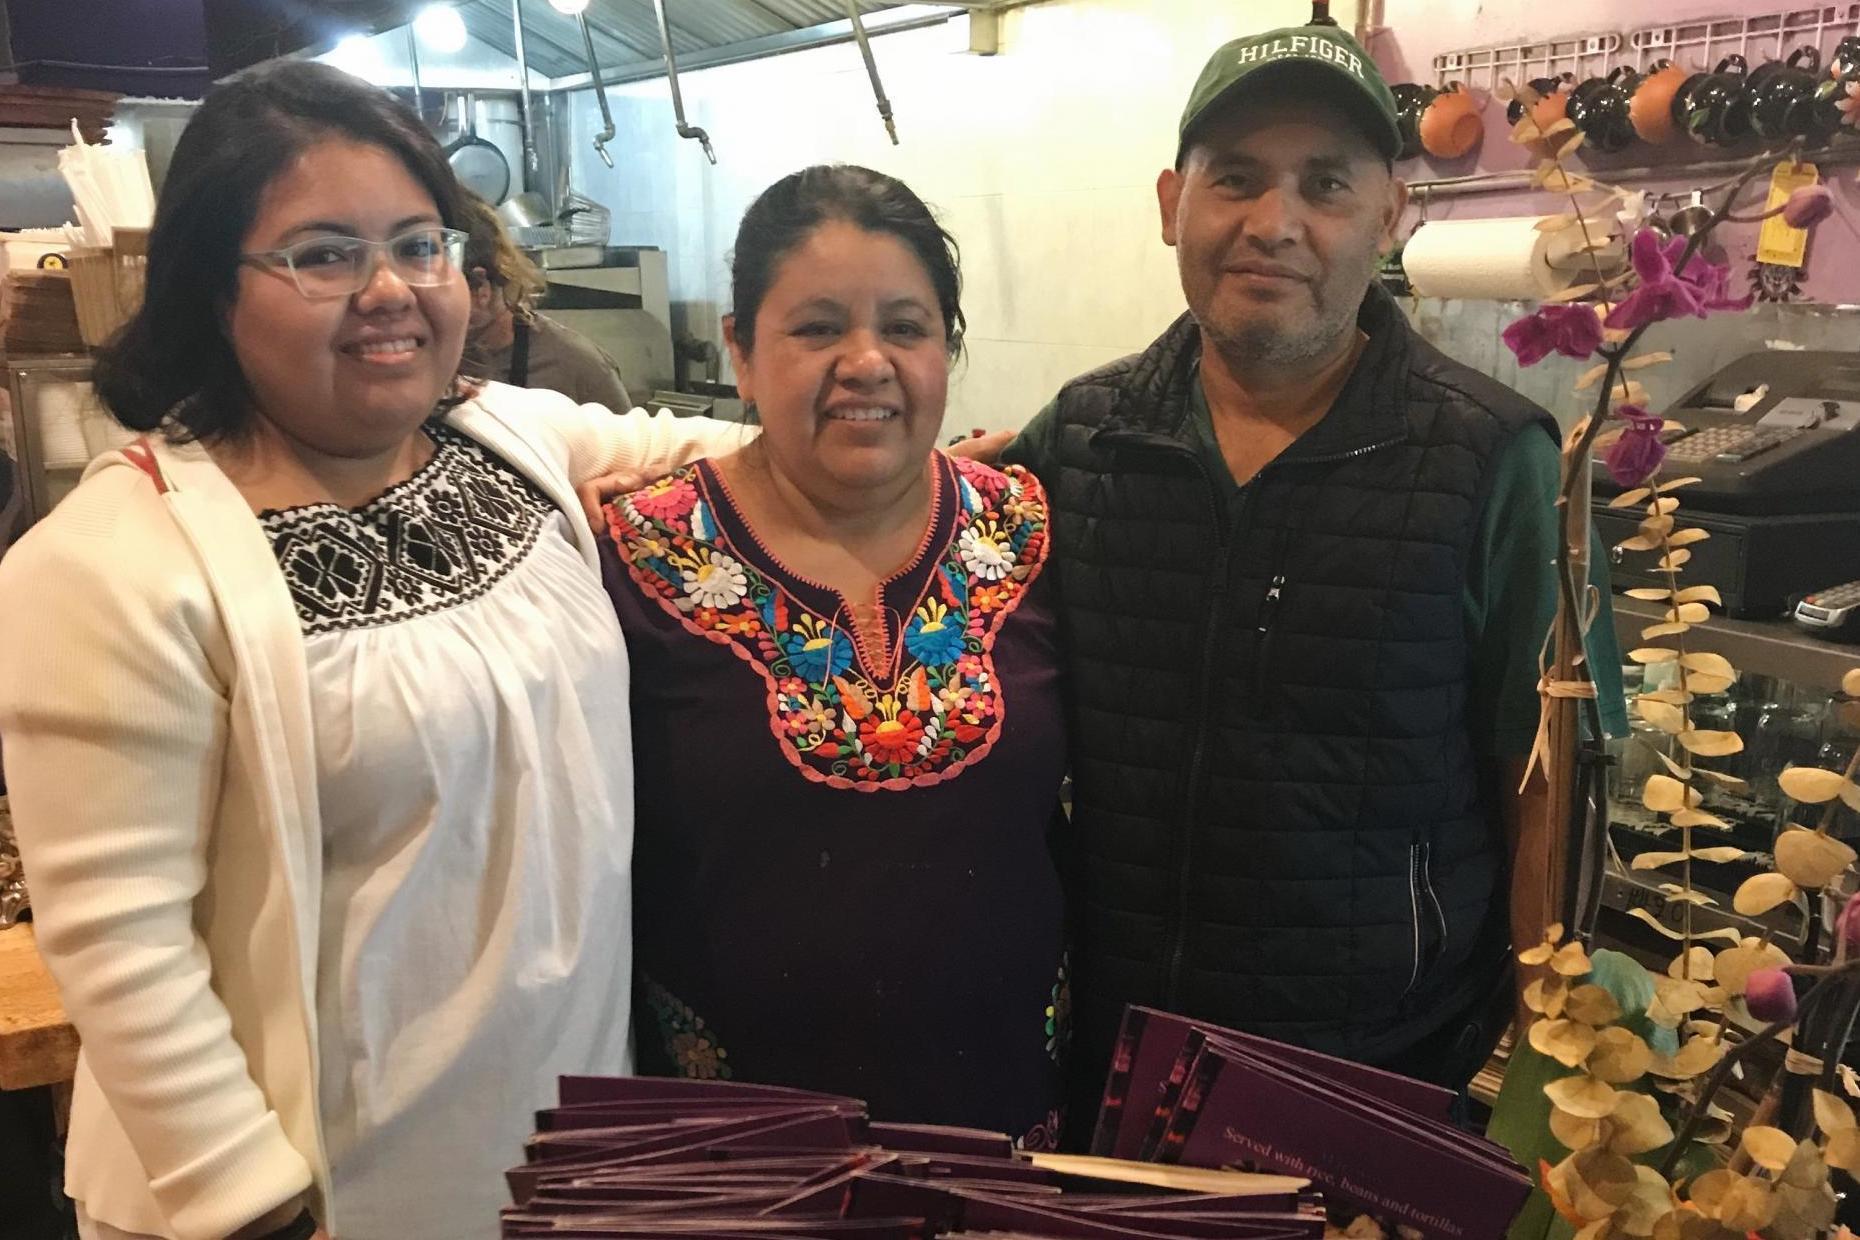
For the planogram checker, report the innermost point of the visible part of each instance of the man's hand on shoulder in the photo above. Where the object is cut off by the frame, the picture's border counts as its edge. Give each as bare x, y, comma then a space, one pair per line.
986, 448
595, 492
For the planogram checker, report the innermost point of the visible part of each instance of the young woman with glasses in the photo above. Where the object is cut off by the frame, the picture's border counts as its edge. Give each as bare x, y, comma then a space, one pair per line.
315, 711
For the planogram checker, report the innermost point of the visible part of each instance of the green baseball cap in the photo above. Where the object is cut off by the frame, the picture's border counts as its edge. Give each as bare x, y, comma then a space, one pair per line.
1324, 55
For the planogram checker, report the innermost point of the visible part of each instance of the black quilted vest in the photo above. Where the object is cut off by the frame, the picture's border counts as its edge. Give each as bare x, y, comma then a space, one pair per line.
1279, 822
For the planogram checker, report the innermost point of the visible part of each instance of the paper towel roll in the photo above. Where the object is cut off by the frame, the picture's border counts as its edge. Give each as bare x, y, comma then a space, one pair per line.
1504, 259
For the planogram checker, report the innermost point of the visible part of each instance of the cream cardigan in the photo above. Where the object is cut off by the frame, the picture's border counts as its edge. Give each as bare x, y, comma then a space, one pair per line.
157, 725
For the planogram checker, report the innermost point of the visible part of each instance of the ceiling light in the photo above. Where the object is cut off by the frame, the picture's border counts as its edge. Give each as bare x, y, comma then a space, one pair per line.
356, 54
569, 8
441, 28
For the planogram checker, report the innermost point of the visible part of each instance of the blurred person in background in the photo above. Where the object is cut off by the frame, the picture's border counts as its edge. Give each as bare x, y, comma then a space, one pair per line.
508, 340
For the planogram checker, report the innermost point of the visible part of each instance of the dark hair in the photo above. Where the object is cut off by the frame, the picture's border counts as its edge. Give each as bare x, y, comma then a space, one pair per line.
788, 211
171, 366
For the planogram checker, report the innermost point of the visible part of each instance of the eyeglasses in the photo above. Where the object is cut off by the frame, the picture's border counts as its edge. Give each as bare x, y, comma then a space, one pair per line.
325, 267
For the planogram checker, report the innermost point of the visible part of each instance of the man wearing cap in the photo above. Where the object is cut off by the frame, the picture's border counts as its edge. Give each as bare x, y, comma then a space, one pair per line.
1305, 569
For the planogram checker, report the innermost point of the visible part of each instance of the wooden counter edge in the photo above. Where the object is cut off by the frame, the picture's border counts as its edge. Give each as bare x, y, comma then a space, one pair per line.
38, 1046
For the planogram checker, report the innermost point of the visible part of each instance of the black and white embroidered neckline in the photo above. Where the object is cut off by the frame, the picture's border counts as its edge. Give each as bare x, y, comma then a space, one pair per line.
440, 539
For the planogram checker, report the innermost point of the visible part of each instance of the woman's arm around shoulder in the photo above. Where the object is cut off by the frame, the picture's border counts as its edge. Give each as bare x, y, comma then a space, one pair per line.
607, 453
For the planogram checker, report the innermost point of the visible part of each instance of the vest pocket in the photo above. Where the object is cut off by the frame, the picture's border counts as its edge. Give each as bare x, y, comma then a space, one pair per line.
1428, 920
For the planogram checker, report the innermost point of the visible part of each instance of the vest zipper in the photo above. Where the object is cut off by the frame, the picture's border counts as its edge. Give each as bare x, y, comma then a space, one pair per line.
1269, 605
1333, 457
1262, 655
1226, 536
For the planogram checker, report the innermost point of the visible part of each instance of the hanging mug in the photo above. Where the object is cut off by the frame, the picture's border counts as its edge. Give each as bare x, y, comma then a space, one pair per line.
1651, 108
1837, 96
1707, 106
1554, 105
1691, 218
1450, 124
1514, 111
1845, 62
1411, 101
1781, 97
1600, 108
1649, 218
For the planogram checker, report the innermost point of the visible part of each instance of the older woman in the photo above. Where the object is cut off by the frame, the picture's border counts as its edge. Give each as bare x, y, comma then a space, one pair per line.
849, 741
308, 697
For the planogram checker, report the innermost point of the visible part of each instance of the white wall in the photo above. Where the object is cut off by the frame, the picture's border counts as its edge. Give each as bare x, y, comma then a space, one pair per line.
1042, 161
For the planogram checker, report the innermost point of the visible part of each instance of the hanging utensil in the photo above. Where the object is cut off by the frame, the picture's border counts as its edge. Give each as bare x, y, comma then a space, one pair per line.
1691, 218
478, 164
413, 62
678, 98
871, 69
531, 161
606, 134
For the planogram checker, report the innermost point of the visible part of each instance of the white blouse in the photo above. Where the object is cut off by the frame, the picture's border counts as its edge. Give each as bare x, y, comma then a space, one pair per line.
469, 690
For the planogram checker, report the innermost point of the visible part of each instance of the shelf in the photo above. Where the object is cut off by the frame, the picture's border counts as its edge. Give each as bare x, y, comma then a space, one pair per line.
1774, 648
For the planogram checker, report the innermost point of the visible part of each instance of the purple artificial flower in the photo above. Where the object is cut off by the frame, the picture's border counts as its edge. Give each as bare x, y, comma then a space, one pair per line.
1632, 458
1665, 294
1808, 206
1847, 925
1770, 995
1711, 283
1573, 331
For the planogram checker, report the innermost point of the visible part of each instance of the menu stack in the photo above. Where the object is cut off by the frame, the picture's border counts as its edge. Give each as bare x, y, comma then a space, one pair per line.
1188, 1093
719, 1160
1185, 1105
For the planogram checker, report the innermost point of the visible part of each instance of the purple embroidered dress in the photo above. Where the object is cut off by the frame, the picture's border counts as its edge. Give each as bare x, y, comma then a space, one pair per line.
842, 873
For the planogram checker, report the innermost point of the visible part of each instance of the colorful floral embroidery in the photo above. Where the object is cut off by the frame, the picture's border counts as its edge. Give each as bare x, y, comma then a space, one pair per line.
692, 1049
839, 721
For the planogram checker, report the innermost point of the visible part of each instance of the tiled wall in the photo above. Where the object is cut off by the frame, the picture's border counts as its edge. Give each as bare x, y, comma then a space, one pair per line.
1042, 160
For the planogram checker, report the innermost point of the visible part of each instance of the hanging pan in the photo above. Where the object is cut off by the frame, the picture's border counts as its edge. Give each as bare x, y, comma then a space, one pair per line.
478, 164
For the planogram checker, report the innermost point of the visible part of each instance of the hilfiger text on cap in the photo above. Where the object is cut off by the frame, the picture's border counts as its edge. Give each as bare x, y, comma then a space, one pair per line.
1303, 46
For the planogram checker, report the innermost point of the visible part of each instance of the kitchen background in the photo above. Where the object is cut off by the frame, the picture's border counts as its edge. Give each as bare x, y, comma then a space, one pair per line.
1035, 129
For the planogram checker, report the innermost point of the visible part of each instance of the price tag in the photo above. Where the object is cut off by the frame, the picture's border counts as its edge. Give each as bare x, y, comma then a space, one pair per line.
1779, 243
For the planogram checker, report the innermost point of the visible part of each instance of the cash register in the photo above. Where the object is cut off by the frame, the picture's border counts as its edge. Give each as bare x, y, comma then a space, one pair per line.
1774, 439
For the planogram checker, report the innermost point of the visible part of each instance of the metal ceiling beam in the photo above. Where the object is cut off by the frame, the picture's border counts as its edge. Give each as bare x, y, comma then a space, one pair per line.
823, 35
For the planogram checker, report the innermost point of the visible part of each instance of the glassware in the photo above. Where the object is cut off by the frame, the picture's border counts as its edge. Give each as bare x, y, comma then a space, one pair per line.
1734, 710
1840, 736
1639, 755
1787, 733
13, 898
